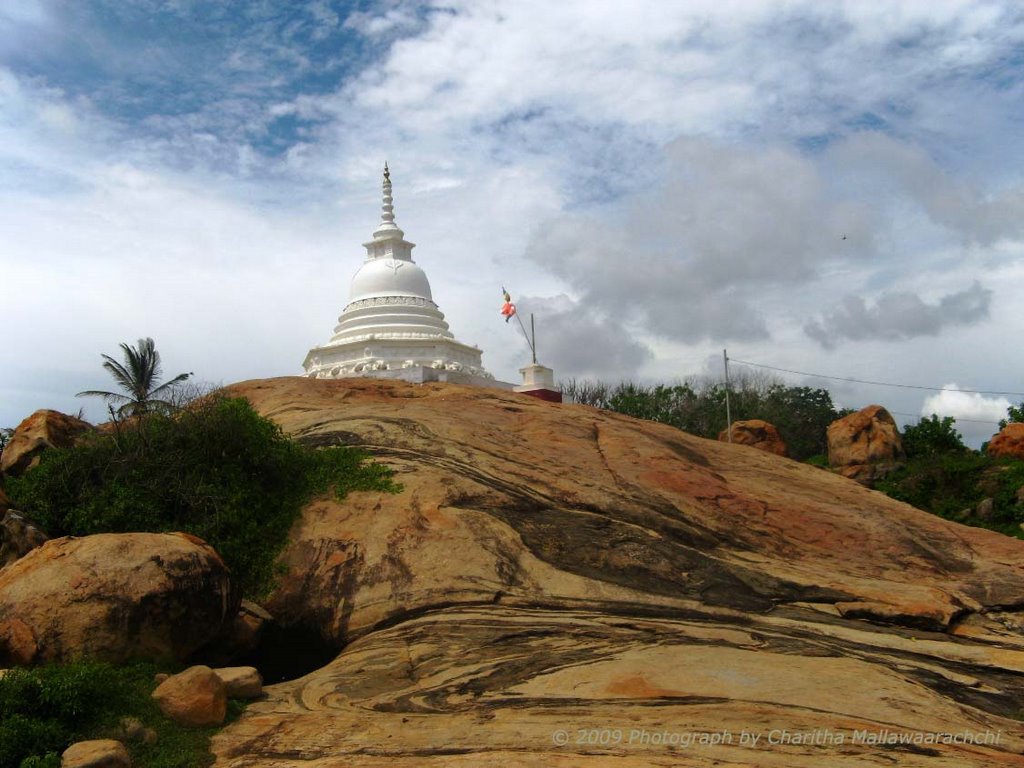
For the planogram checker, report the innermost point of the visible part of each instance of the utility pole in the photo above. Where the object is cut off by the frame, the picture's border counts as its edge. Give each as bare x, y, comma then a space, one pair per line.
728, 414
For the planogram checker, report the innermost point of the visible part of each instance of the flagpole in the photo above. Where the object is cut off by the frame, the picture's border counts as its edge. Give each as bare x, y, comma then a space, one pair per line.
527, 337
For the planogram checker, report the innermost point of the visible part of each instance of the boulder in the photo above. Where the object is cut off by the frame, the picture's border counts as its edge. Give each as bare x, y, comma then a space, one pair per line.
18, 537
1008, 442
865, 446
42, 430
113, 597
241, 682
196, 697
5, 502
97, 753
757, 434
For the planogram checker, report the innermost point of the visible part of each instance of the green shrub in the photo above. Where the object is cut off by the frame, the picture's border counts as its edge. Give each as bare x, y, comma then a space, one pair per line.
217, 470
45, 709
932, 436
951, 485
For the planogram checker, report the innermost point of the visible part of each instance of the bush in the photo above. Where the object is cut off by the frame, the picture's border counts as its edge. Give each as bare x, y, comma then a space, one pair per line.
46, 709
951, 484
932, 436
217, 470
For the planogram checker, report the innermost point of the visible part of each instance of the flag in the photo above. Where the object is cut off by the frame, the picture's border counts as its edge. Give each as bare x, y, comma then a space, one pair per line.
508, 308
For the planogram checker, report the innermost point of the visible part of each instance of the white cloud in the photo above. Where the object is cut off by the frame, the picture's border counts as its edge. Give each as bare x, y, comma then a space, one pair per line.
977, 414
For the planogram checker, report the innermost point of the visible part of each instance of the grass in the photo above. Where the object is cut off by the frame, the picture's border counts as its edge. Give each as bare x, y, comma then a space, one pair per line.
44, 710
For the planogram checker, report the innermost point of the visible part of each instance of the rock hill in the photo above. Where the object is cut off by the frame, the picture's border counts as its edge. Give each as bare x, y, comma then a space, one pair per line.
561, 586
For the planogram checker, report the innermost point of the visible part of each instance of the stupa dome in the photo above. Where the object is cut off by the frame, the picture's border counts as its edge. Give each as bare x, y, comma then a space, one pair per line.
389, 277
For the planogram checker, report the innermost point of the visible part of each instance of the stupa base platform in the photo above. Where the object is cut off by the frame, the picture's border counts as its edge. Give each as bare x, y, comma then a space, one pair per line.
421, 374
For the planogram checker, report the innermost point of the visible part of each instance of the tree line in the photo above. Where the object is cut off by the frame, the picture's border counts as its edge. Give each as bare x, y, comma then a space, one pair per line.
697, 405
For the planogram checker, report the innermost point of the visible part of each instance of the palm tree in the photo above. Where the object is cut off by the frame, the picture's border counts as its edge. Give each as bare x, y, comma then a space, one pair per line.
138, 377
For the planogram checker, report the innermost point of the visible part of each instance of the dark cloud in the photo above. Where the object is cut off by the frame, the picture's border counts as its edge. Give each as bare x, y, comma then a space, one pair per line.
578, 340
899, 315
900, 169
690, 259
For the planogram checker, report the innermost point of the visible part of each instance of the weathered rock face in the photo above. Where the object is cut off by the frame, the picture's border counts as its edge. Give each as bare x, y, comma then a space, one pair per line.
561, 586
43, 429
5, 503
866, 445
113, 597
757, 434
18, 537
1009, 442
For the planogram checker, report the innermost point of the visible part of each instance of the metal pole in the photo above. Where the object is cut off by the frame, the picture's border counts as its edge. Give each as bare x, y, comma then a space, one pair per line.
728, 414
533, 334
527, 336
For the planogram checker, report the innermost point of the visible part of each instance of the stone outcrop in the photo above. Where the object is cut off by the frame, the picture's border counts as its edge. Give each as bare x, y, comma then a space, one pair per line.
42, 430
561, 586
1008, 442
757, 434
5, 502
97, 753
113, 597
18, 537
865, 446
196, 697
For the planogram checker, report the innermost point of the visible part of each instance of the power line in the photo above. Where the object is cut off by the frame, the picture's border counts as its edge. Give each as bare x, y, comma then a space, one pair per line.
877, 383
955, 418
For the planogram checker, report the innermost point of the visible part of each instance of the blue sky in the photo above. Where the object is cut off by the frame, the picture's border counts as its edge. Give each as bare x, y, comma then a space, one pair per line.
827, 187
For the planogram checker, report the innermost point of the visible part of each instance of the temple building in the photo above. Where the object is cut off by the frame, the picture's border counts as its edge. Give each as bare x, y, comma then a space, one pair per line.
391, 327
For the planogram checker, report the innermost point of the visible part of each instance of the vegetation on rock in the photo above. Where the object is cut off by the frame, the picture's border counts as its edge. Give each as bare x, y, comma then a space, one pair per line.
46, 709
217, 470
1014, 415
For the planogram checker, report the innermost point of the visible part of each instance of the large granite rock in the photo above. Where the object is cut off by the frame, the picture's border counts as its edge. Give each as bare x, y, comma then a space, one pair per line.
865, 446
561, 586
757, 434
42, 430
1008, 442
113, 597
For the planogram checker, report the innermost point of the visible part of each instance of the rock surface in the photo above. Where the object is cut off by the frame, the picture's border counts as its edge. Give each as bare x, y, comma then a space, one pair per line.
560, 586
195, 697
1008, 442
757, 434
241, 682
865, 446
43, 429
97, 753
113, 597
18, 537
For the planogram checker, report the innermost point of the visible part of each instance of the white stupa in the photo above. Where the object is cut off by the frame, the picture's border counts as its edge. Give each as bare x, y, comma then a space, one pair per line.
391, 327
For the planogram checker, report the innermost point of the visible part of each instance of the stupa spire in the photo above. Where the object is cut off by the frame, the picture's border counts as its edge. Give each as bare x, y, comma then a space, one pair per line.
387, 216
